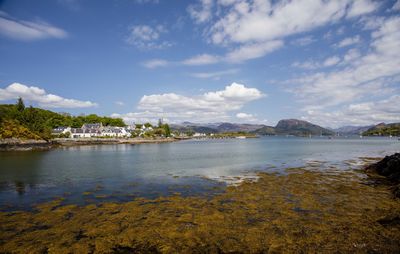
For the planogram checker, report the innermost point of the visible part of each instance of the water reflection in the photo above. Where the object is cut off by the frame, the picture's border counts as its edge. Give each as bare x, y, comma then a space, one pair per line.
161, 169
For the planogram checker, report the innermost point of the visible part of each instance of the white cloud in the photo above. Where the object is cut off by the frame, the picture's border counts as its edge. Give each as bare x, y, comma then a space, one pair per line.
28, 30
303, 41
364, 113
360, 7
201, 60
260, 21
247, 117
371, 22
215, 75
210, 106
119, 103
370, 76
349, 41
40, 96
147, 37
331, 61
201, 12
252, 51
396, 6
308, 65
313, 65
154, 63
238, 55
351, 55
258, 27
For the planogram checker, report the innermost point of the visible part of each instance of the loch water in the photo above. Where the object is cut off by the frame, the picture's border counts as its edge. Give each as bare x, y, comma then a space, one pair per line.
92, 174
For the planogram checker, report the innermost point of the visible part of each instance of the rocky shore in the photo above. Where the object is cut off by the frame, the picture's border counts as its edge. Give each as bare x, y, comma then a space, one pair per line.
389, 170
28, 145
25, 145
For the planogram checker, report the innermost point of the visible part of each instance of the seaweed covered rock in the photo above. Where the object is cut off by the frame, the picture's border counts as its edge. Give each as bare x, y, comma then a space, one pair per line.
389, 167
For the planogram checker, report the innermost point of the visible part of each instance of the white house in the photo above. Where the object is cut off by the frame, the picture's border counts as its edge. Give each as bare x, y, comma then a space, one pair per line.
60, 130
197, 135
115, 132
84, 133
94, 130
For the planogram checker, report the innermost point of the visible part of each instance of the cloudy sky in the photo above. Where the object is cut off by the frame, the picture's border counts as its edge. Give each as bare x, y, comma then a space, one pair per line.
333, 63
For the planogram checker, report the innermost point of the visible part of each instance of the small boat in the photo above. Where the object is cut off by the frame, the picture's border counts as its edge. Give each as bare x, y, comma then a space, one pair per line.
241, 137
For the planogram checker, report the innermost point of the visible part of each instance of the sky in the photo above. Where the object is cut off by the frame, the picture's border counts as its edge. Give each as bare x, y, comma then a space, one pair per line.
333, 63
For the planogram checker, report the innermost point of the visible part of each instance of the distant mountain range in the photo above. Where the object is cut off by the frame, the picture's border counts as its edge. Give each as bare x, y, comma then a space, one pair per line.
352, 130
284, 127
380, 129
215, 127
290, 127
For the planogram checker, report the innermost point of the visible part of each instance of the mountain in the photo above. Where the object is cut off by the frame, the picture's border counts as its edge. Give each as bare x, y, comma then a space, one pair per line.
382, 129
192, 128
233, 127
266, 130
215, 127
294, 127
300, 128
352, 130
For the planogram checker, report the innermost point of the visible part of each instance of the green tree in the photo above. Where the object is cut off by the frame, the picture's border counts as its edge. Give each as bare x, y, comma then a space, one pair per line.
20, 105
167, 130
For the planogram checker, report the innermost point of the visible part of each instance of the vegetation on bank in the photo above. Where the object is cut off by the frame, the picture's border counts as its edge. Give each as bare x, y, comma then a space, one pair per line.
392, 129
161, 130
22, 122
11, 129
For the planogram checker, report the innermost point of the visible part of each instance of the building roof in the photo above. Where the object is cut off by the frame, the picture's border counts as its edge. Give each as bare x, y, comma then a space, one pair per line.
92, 125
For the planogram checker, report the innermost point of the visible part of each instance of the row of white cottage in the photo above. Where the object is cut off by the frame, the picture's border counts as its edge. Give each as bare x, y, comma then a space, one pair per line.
96, 130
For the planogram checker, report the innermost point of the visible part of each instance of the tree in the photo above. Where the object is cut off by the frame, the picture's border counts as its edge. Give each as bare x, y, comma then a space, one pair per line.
20, 105
167, 130
160, 123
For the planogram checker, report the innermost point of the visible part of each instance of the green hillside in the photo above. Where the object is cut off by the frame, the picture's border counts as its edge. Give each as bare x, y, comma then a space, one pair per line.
40, 122
392, 129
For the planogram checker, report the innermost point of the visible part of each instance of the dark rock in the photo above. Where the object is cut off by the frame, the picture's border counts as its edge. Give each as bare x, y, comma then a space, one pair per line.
389, 168
393, 219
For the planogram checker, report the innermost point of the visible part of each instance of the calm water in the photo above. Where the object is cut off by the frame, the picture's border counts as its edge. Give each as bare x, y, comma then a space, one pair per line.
88, 174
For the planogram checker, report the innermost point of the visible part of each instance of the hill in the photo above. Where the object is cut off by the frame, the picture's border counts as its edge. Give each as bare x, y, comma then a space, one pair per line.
300, 128
382, 129
266, 130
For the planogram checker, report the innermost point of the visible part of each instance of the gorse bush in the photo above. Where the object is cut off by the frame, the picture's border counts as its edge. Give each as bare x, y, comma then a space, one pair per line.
12, 128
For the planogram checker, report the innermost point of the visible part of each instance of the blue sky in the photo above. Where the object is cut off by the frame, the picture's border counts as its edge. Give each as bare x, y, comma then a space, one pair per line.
333, 63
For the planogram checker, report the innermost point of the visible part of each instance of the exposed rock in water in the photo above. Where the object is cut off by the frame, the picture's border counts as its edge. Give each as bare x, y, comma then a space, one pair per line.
389, 167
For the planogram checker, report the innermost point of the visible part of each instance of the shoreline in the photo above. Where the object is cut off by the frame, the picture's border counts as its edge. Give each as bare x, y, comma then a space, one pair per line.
33, 145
